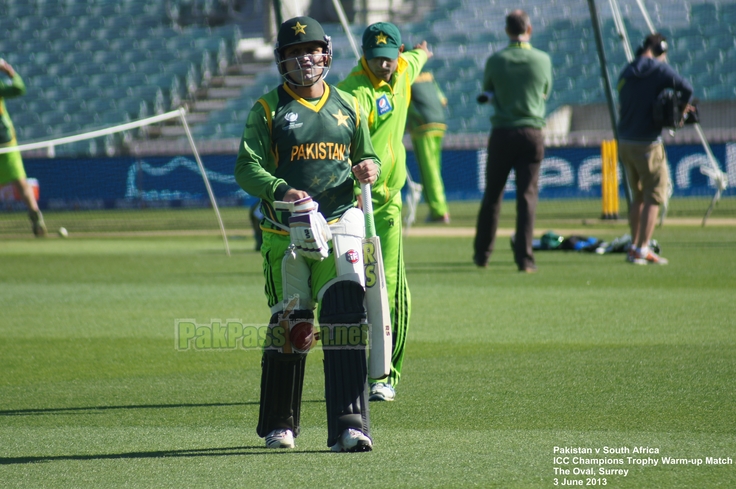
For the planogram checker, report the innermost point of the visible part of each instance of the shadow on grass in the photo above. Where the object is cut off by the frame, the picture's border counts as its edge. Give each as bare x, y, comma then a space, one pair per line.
197, 452
48, 411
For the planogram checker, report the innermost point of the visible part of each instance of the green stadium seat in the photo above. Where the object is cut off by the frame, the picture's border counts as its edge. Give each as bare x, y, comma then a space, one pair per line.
70, 106
58, 69
50, 10
179, 67
100, 105
162, 79
144, 92
19, 10
722, 40
60, 93
119, 69
54, 118
88, 69
89, 22
149, 66
32, 132
728, 14
77, 10
23, 118
692, 43
180, 43
132, 79
134, 105
42, 81
704, 14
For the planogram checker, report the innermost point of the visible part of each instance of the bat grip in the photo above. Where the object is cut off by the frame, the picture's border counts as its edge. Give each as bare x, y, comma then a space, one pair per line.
370, 226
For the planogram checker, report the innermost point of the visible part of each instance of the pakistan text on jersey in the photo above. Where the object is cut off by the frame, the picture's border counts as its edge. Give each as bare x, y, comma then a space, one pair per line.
318, 151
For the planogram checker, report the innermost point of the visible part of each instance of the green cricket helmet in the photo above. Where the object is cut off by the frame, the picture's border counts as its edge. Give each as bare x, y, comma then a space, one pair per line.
300, 30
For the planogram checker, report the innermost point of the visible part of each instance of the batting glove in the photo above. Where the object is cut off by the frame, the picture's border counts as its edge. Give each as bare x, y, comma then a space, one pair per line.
309, 230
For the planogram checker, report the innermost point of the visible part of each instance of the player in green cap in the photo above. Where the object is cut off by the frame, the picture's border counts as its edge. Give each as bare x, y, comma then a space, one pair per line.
382, 82
304, 149
11, 164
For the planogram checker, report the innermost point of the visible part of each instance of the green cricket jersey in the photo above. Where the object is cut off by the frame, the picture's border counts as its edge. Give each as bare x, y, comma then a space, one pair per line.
386, 105
290, 142
521, 78
15, 88
427, 108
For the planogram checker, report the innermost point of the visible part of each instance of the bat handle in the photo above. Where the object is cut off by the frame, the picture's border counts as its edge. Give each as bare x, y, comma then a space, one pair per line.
370, 226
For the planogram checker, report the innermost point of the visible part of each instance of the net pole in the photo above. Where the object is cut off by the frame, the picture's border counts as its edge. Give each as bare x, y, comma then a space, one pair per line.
346, 27
608, 86
93, 134
182, 116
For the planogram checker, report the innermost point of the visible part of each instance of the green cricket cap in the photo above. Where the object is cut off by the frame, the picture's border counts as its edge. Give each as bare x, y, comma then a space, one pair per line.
299, 30
381, 40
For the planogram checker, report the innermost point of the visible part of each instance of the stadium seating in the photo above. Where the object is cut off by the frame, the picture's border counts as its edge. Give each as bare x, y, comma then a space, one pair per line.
85, 61
107, 53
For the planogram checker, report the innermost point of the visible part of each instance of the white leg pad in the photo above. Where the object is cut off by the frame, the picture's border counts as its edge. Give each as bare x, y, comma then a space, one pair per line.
347, 246
295, 282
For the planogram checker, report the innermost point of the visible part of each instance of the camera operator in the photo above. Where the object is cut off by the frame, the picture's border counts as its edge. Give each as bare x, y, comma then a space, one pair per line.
640, 141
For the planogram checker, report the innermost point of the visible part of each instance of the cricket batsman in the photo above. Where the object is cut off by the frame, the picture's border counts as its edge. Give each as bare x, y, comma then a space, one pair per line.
305, 149
381, 82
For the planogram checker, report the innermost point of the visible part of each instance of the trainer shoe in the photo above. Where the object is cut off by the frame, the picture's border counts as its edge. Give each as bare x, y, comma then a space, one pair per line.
39, 226
631, 255
280, 438
381, 391
353, 440
650, 258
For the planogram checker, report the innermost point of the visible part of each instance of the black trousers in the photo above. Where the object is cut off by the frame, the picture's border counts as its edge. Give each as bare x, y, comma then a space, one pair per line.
520, 149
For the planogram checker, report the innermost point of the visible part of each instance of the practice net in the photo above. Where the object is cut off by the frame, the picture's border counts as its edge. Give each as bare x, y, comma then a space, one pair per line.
128, 194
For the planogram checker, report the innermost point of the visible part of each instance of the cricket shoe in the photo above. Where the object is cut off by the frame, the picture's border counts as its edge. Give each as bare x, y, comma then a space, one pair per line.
649, 258
382, 392
353, 440
39, 226
280, 438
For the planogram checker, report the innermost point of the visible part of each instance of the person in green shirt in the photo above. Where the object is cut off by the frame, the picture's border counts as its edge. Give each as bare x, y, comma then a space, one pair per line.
11, 164
381, 82
426, 126
517, 81
305, 149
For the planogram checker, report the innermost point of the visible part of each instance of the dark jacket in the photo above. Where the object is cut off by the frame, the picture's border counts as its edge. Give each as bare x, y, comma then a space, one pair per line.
638, 87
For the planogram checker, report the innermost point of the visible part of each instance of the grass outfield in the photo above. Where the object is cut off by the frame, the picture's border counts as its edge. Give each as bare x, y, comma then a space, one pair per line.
502, 367
117, 222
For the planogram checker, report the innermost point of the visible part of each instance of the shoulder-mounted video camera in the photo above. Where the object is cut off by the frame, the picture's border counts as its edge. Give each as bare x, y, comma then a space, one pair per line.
669, 110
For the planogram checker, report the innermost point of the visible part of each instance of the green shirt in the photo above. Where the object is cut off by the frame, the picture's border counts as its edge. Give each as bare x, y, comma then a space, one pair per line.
427, 109
520, 78
289, 142
386, 105
15, 88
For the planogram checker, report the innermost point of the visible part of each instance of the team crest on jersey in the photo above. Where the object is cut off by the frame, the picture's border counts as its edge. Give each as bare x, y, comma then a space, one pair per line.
352, 256
383, 105
291, 122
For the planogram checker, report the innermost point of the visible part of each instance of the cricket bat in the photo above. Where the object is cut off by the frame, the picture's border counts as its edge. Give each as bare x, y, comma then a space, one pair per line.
376, 295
